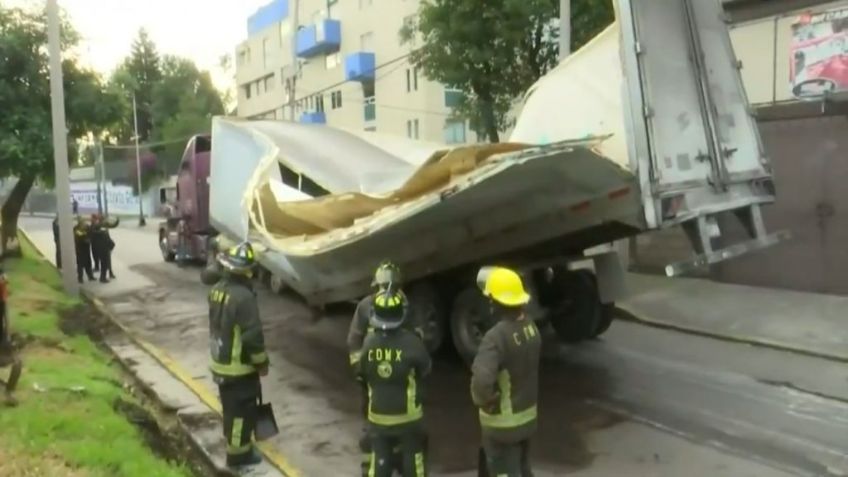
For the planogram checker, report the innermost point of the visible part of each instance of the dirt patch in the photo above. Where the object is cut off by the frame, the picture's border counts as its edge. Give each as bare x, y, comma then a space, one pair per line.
85, 319
16, 464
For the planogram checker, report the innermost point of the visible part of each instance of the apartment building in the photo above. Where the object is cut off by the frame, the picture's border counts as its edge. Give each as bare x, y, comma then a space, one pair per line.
352, 70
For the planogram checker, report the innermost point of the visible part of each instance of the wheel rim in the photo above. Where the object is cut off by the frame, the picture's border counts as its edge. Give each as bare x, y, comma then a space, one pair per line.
163, 246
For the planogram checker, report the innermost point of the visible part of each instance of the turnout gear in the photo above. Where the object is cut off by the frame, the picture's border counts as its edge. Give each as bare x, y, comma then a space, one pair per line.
239, 260
82, 247
502, 285
392, 364
505, 377
8, 357
237, 348
102, 246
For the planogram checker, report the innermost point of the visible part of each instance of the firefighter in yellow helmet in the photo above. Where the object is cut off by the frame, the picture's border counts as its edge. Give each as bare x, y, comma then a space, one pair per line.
505, 375
237, 348
387, 276
394, 361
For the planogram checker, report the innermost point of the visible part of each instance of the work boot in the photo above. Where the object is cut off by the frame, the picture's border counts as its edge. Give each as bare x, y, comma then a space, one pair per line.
104, 280
249, 458
9, 400
111, 275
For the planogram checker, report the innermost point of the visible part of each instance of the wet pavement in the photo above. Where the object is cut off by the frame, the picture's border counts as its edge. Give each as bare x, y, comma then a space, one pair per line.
640, 402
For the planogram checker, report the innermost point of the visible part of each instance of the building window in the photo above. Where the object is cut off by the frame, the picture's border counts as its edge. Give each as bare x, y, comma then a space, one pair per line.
452, 97
454, 132
412, 129
415, 78
319, 103
332, 61
269, 82
336, 99
408, 80
412, 79
266, 52
366, 41
247, 91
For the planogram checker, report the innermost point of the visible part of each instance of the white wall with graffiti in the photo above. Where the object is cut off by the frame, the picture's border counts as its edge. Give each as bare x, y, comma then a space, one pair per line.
117, 199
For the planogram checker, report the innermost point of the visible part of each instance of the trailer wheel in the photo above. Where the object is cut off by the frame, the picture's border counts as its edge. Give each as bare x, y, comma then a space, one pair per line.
577, 316
471, 318
427, 309
607, 315
276, 284
167, 254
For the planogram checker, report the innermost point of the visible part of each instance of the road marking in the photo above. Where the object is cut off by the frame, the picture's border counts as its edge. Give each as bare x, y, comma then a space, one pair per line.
274, 456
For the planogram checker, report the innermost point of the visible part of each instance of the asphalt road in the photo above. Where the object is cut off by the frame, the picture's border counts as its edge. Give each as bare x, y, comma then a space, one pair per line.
639, 402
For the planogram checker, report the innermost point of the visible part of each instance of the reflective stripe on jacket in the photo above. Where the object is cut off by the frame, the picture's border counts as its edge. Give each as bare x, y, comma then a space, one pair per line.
236, 341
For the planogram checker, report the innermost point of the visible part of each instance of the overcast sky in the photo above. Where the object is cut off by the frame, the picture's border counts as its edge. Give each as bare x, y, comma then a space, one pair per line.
202, 30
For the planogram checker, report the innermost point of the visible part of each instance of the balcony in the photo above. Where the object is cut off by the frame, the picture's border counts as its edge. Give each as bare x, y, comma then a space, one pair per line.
360, 66
322, 38
317, 117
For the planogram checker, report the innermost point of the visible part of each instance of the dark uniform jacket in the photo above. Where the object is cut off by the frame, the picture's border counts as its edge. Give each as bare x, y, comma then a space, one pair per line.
505, 380
360, 328
101, 241
392, 366
82, 238
236, 342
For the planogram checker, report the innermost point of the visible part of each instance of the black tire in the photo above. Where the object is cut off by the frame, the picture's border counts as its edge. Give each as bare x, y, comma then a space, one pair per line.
607, 316
427, 309
167, 254
470, 319
578, 314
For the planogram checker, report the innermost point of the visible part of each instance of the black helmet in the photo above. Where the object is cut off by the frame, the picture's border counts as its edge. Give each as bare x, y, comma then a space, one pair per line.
387, 273
239, 259
388, 310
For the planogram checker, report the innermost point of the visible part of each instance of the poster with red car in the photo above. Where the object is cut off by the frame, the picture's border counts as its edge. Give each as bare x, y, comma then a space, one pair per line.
819, 54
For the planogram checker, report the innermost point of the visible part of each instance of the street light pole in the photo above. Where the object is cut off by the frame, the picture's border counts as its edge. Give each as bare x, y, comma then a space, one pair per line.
141, 222
564, 29
60, 152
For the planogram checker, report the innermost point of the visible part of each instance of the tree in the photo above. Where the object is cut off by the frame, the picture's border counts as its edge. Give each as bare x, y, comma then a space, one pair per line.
493, 50
26, 148
138, 75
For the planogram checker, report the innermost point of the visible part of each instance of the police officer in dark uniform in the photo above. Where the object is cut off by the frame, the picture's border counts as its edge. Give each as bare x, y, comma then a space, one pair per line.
387, 276
8, 357
237, 347
505, 375
392, 364
82, 247
102, 245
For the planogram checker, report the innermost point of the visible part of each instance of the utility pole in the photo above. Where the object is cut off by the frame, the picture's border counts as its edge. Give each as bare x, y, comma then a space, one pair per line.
98, 176
564, 29
60, 152
105, 182
295, 63
141, 222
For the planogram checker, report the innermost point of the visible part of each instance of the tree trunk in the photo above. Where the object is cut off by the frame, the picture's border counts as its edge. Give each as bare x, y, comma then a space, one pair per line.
490, 125
9, 215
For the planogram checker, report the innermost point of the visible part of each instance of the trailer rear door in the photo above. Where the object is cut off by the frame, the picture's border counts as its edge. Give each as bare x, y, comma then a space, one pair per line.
691, 138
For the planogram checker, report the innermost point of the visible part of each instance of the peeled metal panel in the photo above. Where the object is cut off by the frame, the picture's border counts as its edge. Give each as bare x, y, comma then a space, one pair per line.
737, 130
676, 127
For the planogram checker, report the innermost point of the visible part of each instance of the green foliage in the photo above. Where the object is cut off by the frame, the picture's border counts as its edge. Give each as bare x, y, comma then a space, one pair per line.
493, 50
138, 75
82, 429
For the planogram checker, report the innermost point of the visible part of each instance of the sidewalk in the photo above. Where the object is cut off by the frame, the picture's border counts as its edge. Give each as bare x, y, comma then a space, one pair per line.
807, 323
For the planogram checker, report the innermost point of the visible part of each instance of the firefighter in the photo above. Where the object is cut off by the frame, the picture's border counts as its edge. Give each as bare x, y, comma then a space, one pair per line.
386, 276
237, 346
102, 245
505, 375
8, 357
82, 247
392, 364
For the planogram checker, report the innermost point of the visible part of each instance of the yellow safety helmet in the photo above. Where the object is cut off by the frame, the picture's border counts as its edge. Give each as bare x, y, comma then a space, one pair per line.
503, 286
389, 310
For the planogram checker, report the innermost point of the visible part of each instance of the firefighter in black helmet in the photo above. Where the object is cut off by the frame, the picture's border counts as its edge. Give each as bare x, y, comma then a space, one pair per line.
387, 276
392, 364
237, 348
505, 375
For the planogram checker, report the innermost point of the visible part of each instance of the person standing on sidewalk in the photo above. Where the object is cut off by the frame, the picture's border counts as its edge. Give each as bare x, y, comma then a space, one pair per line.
8, 357
387, 276
82, 247
237, 348
393, 363
102, 245
505, 375
56, 242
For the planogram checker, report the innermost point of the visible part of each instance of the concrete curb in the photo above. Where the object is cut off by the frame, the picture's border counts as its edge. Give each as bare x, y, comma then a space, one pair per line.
629, 315
272, 455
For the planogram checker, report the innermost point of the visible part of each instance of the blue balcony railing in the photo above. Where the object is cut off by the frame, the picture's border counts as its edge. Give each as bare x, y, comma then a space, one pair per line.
360, 66
316, 117
322, 38
267, 15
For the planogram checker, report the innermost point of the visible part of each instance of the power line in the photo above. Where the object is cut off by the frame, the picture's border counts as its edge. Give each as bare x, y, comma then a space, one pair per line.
340, 83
